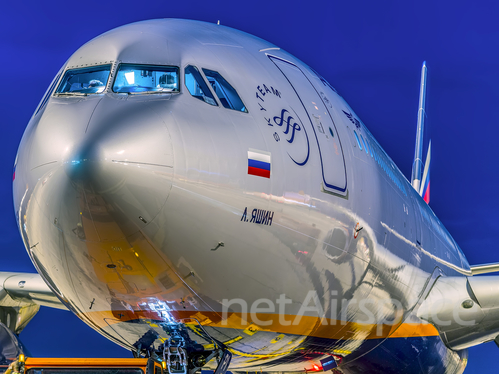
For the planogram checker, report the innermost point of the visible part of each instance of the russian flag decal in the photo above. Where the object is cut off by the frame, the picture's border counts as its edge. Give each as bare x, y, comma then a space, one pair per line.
259, 163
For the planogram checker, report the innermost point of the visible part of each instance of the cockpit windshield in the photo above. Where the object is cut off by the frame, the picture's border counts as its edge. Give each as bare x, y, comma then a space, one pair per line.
90, 80
133, 78
226, 93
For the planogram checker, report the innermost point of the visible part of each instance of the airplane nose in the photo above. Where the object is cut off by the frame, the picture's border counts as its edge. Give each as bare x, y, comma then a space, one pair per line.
116, 174
125, 164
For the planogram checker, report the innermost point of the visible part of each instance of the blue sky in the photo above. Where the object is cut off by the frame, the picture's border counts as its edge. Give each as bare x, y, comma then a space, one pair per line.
370, 51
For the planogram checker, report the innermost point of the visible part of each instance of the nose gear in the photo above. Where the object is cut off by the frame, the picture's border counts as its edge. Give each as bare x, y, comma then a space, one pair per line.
183, 355
176, 359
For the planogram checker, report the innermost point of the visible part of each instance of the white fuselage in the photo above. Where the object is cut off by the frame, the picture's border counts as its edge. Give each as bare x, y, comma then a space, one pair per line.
141, 209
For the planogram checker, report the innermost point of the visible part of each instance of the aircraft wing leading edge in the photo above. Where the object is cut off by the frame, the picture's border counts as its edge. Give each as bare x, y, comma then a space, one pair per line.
465, 310
21, 295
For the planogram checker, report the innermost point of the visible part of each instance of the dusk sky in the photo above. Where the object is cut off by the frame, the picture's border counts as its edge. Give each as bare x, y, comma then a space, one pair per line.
370, 51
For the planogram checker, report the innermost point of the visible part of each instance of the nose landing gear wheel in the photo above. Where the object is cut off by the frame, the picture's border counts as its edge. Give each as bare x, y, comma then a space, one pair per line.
184, 356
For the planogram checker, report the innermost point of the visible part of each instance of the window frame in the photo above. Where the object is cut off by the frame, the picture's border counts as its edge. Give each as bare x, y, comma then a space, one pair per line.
364, 143
213, 94
117, 69
68, 69
358, 139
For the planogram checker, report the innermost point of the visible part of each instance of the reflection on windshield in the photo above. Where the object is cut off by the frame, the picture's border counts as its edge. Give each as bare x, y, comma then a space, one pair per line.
197, 86
226, 93
85, 81
132, 78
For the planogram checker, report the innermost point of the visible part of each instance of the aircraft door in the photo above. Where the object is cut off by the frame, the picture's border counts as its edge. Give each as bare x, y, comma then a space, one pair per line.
334, 177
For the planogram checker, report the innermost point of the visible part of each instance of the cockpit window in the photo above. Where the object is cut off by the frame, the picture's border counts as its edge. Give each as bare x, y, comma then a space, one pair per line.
225, 92
197, 86
85, 81
145, 79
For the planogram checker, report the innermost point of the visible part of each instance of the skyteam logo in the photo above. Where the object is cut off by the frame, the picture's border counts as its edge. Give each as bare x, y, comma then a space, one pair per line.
284, 123
288, 123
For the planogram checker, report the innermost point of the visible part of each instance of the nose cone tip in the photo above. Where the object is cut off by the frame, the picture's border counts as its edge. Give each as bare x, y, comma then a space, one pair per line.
127, 190
84, 166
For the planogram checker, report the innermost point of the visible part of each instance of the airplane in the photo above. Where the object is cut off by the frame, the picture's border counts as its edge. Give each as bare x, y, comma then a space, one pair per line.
199, 195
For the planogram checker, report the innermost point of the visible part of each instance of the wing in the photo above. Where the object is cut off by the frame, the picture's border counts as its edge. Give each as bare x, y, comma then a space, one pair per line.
465, 310
21, 295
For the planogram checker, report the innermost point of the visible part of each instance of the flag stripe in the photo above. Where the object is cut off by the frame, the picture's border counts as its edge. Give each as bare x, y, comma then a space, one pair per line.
258, 164
259, 155
258, 172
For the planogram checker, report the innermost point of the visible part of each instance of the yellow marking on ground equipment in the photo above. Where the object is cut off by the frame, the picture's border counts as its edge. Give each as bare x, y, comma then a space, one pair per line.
237, 338
252, 329
251, 355
228, 342
277, 338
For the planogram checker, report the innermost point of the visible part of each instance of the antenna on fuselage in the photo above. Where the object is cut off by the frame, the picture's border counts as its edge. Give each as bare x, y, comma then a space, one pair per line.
417, 165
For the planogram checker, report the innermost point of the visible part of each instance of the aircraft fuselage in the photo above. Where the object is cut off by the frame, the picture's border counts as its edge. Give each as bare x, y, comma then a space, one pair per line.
281, 225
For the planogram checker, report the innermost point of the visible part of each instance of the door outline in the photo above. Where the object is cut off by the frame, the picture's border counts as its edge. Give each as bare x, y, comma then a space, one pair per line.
326, 184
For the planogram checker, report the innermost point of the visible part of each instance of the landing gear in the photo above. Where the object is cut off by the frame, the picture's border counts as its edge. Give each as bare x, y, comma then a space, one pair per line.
183, 355
176, 360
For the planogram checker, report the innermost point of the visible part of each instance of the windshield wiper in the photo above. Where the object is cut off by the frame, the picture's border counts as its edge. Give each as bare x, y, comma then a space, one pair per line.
148, 92
72, 93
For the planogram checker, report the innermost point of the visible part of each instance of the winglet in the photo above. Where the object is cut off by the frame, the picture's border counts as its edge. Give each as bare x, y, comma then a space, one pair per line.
418, 163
